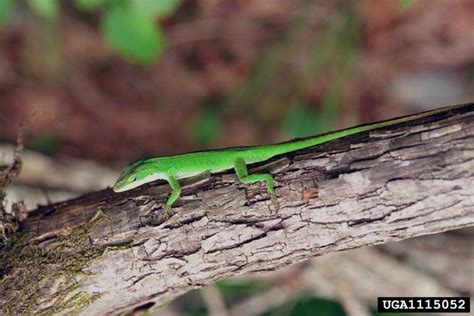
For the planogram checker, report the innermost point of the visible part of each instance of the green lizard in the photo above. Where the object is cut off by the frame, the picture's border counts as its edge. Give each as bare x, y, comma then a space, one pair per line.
172, 168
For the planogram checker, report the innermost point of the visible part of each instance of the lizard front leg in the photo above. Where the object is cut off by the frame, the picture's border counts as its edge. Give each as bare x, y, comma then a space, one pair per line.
175, 193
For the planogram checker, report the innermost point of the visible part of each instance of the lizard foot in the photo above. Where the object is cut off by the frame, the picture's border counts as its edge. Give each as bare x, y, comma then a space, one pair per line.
166, 214
275, 204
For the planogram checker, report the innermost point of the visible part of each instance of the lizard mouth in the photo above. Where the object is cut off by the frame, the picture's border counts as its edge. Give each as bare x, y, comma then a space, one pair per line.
119, 186
117, 189
124, 186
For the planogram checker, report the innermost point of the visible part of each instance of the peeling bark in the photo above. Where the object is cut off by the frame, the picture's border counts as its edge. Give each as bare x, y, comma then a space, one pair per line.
109, 253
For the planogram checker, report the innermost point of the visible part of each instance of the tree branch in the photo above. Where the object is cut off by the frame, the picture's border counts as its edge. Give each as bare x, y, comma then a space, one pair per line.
109, 253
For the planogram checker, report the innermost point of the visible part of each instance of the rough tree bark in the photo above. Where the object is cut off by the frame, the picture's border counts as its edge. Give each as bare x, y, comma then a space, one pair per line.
109, 253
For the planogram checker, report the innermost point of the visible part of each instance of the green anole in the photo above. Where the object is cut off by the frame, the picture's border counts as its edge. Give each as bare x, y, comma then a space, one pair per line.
172, 168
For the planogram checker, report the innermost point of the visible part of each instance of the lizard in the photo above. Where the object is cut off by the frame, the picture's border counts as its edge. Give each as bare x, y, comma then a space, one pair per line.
173, 168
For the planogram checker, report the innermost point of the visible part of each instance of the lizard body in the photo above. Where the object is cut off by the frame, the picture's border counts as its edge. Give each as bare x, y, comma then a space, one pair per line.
172, 168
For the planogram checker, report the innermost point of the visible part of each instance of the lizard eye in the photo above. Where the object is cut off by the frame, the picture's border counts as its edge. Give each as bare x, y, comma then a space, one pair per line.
132, 178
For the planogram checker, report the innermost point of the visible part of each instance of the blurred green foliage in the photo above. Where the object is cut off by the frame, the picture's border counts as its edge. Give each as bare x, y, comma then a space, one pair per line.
47, 144
5, 8
154, 8
265, 97
346, 45
308, 306
231, 286
132, 33
207, 125
46, 9
234, 290
192, 304
281, 93
89, 5
129, 26
300, 120
470, 73
404, 4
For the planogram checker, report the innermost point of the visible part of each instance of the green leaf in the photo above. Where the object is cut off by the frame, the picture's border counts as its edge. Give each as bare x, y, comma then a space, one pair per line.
404, 4
89, 5
5, 8
155, 8
45, 8
131, 34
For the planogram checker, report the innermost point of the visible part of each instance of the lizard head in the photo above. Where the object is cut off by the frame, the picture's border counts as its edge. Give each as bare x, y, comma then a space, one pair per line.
136, 174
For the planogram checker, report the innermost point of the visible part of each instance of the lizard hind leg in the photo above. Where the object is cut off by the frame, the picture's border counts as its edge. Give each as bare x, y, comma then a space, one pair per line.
167, 212
242, 173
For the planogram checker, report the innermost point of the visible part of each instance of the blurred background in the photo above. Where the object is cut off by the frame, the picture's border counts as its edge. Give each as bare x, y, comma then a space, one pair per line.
97, 84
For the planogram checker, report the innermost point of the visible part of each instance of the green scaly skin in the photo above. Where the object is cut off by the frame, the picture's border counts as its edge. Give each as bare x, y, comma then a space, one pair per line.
172, 168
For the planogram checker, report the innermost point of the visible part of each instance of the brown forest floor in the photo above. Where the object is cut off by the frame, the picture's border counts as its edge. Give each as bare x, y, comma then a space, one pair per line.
84, 100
